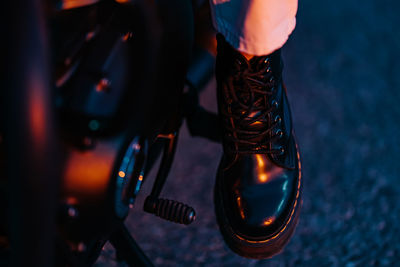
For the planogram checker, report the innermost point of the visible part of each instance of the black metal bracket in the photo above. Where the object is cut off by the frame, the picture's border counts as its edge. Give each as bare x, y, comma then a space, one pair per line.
127, 248
200, 121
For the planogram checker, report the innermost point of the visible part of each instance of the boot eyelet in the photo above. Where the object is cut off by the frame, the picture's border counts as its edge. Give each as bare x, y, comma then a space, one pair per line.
271, 80
269, 69
278, 119
281, 150
275, 104
266, 60
279, 133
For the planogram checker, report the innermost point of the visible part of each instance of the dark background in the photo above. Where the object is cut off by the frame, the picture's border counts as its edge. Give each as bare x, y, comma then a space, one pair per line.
342, 73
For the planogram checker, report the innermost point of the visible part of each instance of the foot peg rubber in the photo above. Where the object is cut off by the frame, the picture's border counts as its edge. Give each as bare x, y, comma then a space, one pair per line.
170, 210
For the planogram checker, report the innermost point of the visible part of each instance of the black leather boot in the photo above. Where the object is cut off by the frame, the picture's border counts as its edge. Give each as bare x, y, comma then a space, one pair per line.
258, 186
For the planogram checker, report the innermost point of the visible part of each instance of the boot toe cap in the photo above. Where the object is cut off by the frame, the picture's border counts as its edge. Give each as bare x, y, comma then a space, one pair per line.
258, 196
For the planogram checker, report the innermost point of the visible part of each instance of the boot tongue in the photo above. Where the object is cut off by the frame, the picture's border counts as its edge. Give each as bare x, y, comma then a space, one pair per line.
249, 98
243, 93
253, 65
257, 63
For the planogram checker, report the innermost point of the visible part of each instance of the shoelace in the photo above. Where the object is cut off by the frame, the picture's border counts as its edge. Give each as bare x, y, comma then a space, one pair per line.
254, 89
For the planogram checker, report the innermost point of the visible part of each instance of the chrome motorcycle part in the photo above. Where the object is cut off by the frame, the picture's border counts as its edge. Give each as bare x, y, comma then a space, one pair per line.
129, 176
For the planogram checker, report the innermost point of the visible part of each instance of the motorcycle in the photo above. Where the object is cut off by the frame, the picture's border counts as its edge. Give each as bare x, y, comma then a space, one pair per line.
95, 92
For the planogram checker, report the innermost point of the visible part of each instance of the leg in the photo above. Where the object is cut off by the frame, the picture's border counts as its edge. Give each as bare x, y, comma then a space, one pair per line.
255, 27
258, 186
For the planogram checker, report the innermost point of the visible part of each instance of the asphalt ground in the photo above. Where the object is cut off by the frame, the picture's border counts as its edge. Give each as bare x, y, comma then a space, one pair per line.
342, 73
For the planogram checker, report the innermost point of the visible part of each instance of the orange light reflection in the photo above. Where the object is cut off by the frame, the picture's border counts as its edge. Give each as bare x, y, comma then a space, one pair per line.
37, 108
89, 172
262, 173
240, 207
269, 220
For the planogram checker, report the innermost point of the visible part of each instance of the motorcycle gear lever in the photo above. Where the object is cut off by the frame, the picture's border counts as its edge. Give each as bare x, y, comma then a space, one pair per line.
170, 210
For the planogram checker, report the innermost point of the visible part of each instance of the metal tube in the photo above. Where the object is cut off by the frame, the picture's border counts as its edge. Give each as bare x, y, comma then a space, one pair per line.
29, 136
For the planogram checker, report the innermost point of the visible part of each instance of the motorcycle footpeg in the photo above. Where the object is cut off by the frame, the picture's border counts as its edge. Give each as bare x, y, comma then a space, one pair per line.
170, 210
